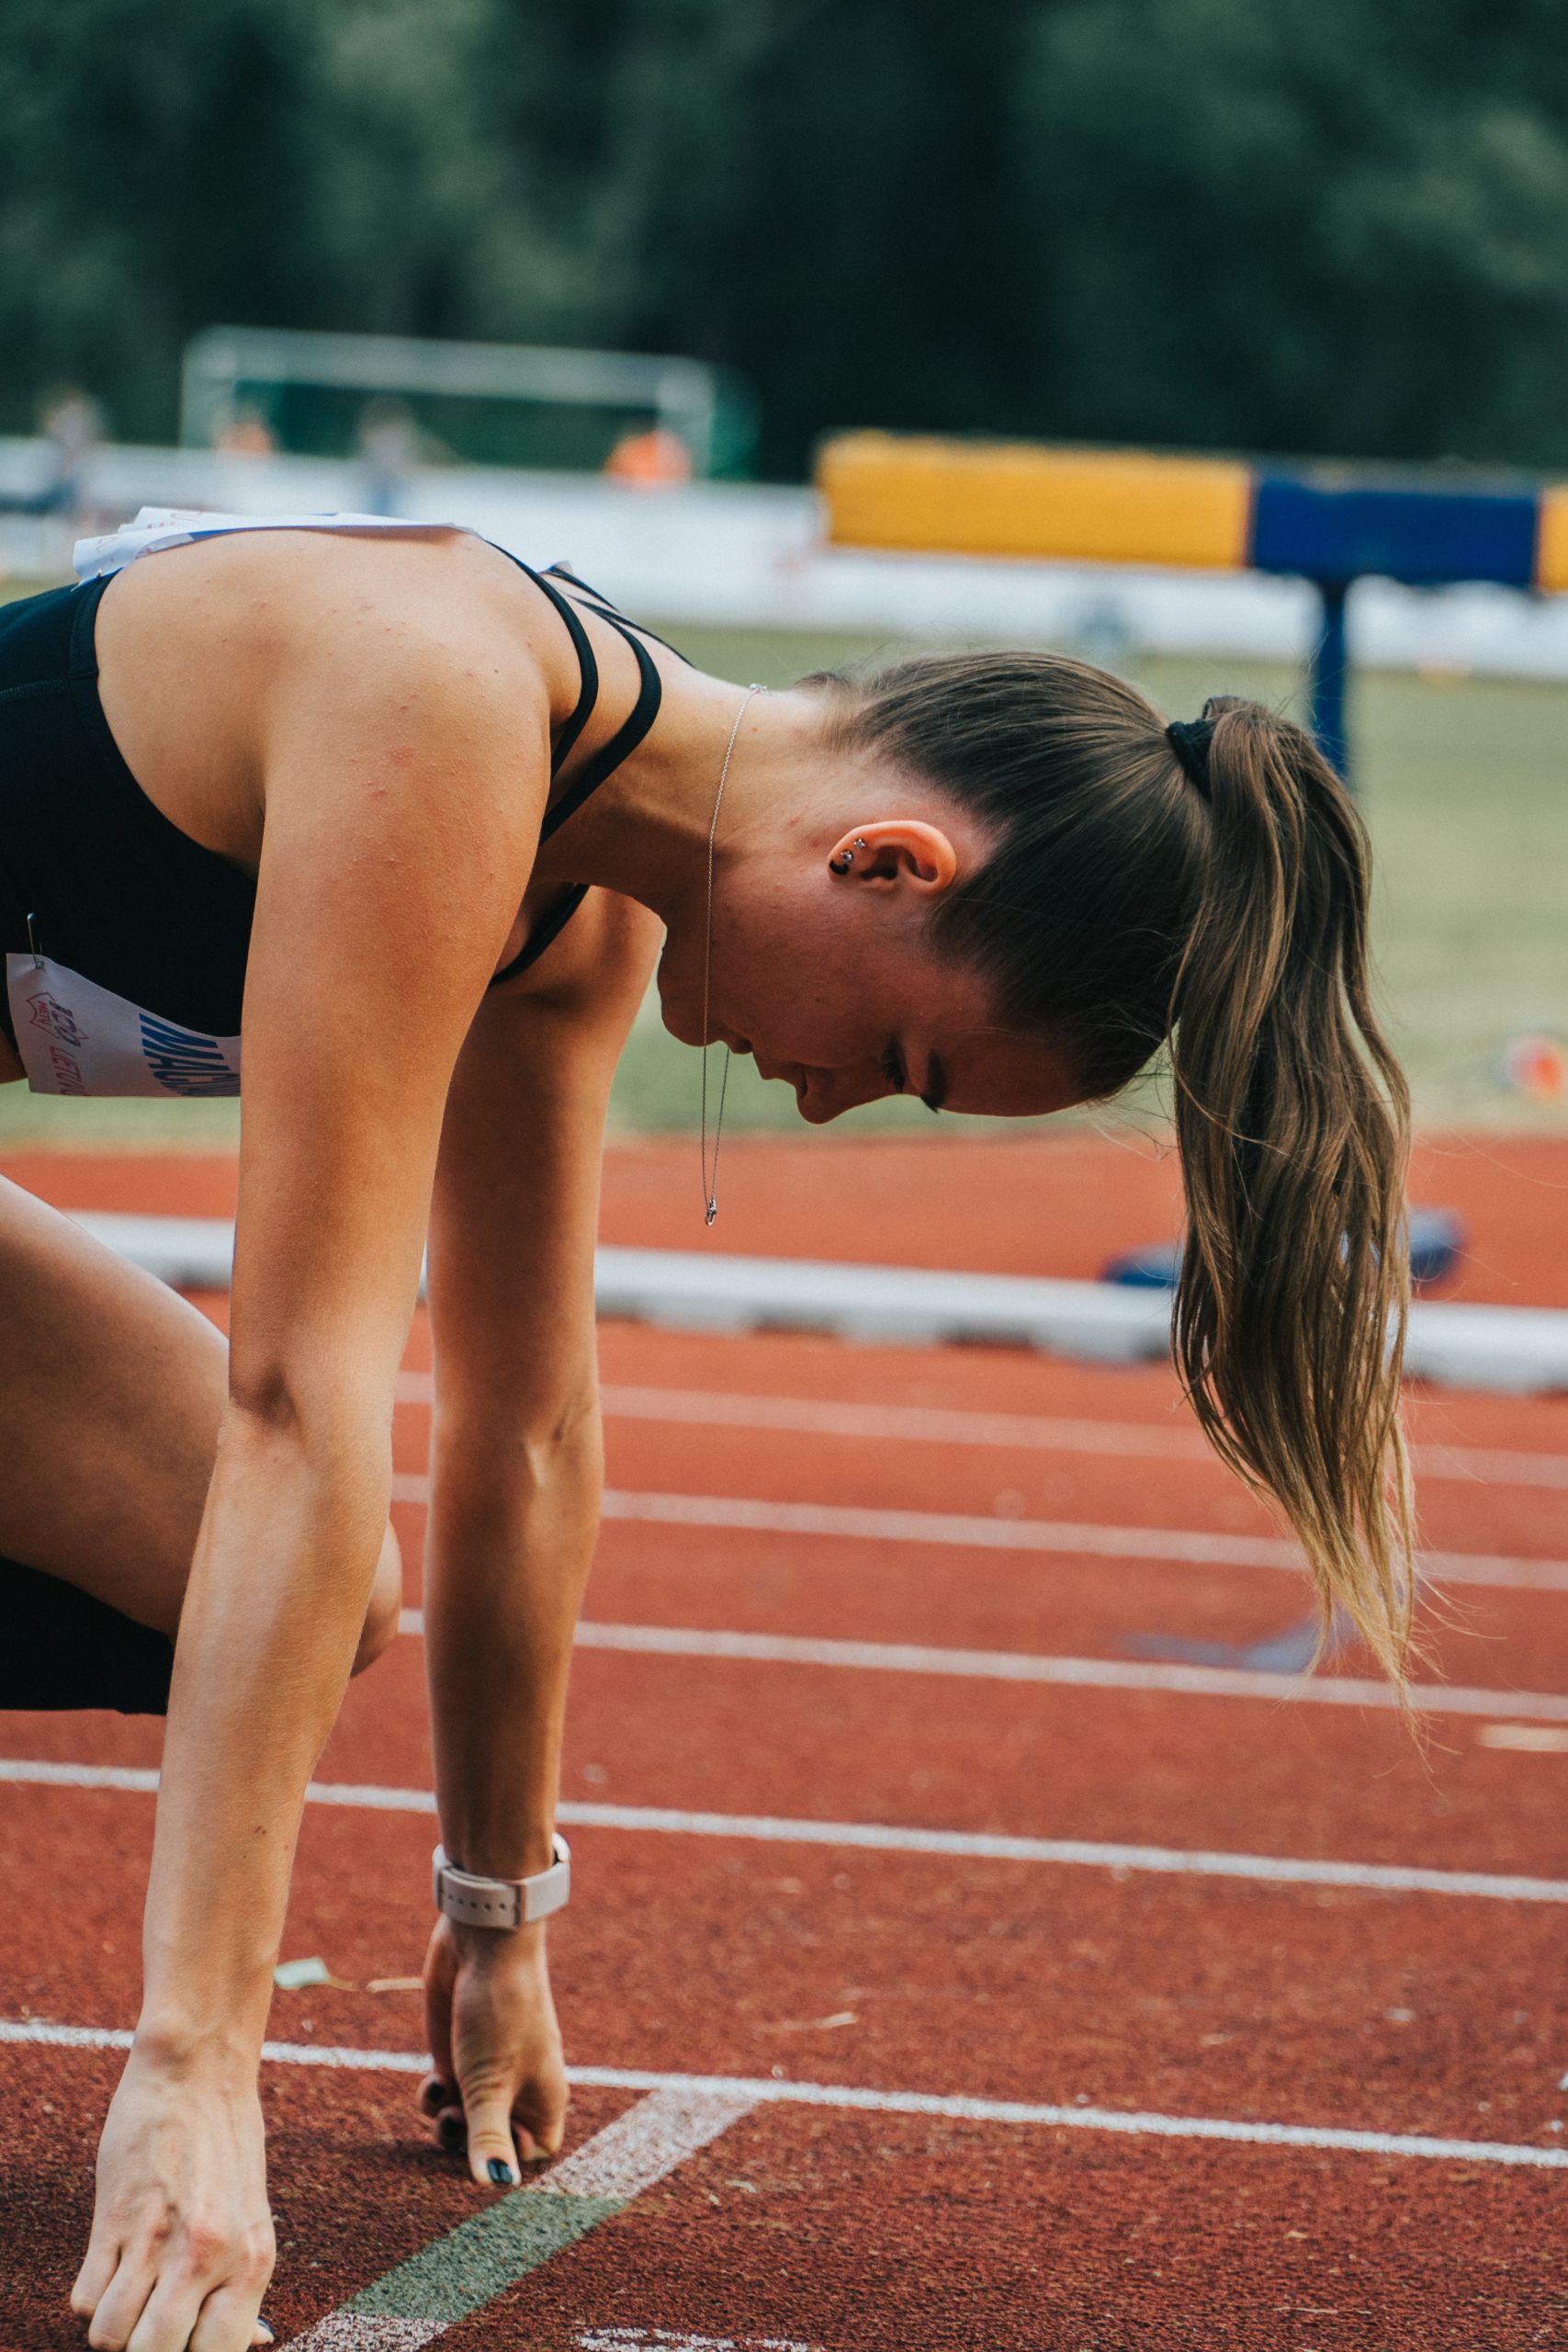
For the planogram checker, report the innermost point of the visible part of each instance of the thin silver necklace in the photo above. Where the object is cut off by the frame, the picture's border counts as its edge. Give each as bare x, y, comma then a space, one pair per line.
710, 1181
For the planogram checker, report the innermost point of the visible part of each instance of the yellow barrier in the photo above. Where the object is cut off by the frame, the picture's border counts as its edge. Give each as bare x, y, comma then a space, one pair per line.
1551, 541
1008, 499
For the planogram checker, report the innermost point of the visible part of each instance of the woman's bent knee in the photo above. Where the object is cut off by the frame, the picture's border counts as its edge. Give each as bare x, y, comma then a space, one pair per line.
382, 1617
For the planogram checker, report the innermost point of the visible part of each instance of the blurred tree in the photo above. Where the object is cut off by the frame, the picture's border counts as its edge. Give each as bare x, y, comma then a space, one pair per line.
1310, 226
833, 210
148, 169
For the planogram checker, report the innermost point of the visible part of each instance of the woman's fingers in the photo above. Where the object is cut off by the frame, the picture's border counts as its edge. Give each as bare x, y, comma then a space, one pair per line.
533, 2141
538, 2118
440, 1967
434, 2093
492, 2157
168, 2322
228, 2324
99, 2266
121, 2305
131, 2312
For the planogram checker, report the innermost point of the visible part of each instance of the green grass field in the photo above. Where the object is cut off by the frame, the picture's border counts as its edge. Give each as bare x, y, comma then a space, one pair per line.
1465, 786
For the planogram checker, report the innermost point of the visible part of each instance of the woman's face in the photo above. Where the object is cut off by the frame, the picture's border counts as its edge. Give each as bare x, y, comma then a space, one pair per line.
824, 971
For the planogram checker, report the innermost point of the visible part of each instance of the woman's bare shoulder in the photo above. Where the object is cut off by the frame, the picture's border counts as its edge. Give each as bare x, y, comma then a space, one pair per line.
290, 599
218, 660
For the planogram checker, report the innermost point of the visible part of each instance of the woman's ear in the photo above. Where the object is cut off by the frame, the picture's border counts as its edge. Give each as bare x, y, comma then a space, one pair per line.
898, 853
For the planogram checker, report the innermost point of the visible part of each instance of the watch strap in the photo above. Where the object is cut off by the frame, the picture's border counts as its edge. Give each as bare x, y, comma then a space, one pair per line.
504, 1903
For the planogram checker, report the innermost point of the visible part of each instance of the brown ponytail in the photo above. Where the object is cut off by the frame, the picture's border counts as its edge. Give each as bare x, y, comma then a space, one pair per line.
1292, 1117
1129, 899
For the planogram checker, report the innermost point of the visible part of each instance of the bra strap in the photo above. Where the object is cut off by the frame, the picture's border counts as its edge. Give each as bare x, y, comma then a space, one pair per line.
621, 745
597, 601
604, 763
587, 667
546, 931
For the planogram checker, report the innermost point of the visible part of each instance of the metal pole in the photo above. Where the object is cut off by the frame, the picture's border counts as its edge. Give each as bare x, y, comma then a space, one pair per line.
1327, 676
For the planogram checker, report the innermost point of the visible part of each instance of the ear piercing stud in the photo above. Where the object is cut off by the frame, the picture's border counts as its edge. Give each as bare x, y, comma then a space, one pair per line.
842, 865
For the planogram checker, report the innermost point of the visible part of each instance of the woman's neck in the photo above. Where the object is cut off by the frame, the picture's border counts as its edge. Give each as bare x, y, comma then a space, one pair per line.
645, 832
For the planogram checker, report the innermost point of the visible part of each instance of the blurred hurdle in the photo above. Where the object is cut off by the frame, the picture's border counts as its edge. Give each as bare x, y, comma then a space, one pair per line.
1329, 524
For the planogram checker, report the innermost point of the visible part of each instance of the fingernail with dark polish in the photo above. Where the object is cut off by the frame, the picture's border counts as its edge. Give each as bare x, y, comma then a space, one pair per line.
501, 2172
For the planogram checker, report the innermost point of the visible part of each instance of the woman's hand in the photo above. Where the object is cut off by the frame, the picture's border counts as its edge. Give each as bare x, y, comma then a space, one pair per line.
495, 2046
182, 2246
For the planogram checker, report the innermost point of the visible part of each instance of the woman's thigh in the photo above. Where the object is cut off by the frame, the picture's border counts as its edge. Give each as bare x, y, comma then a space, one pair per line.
111, 1391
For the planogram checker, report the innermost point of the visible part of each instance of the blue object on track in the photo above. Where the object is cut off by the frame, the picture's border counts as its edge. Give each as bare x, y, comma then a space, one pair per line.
1154, 1269
1289, 1651
1436, 1244
1436, 1239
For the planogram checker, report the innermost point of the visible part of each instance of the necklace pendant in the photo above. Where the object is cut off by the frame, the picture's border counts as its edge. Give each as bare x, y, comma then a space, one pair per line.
712, 1212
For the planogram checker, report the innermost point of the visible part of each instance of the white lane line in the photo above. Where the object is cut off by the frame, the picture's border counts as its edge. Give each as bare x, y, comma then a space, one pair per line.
1025, 1432
365, 2332
1072, 1673
668, 2124
1189, 1547
884, 1837
671, 2339
461, 2273
769, 2091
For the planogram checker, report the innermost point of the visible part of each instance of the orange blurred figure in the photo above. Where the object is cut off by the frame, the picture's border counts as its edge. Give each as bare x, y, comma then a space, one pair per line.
652, 459
1537, 1066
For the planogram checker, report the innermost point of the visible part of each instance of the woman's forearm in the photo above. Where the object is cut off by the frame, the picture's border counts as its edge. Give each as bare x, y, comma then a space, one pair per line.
277, 1593
509, 1541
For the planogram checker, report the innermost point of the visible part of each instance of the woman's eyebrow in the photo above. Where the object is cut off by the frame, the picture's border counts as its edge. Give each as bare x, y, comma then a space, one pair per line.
934, 1093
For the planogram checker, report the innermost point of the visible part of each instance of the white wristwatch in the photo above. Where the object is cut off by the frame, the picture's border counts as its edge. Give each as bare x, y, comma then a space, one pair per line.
502, 1902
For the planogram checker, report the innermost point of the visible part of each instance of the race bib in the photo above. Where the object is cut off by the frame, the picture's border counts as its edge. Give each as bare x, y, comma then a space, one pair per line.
77, 1039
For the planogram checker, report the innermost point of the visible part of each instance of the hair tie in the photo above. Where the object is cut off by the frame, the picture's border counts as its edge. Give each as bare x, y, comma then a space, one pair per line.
1190, 739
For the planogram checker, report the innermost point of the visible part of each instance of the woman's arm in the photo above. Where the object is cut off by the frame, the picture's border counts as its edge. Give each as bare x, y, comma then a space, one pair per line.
515, 1499
398, 840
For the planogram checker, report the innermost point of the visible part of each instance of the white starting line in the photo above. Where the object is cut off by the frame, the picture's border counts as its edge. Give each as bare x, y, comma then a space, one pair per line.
464, 2271
1184, 1547
773, 2091
884, 1837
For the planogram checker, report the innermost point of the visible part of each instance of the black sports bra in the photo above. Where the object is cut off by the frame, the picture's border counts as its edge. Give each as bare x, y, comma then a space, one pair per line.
126, 942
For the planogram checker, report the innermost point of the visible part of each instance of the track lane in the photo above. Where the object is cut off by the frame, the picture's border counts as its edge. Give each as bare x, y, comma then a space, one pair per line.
1124, 1766
1082, 1970
1037, 2244
1017, 2240
1181, 1485
1312, 2007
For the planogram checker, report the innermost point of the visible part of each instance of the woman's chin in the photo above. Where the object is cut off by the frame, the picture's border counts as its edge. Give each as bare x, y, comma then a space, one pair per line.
684, 1032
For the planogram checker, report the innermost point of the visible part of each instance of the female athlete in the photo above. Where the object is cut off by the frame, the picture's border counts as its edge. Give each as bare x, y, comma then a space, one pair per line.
413, 820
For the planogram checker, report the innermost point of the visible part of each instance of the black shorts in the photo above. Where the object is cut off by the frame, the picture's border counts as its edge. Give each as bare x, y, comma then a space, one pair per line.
59, 1648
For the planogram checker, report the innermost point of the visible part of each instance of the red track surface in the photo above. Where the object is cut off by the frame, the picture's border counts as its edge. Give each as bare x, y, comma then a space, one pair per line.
1425, 2013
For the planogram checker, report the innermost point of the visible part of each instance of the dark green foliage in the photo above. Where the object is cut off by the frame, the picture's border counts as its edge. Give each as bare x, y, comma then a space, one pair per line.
1309, 225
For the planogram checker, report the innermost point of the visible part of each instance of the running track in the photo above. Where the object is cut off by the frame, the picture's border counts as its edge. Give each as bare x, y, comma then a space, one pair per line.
1009, 1905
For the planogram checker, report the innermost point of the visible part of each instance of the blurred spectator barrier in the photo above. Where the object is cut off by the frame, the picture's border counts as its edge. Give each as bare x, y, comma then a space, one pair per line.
1329, 524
